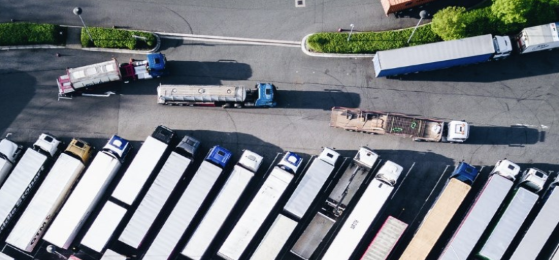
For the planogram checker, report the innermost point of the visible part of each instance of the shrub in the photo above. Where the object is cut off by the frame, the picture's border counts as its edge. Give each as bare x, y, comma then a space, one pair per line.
29, 33
115, 38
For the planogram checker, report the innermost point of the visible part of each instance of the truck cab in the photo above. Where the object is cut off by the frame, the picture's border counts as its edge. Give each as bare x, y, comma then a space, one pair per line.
47, 143
188, 146
503, 47
118, 147
9, 150
456, 132
79, 149
329, 156
218, 156
465, 173
152, 67
290, 162
365, 157
534, 179
506, 169
389, 173
251, 161
266, 95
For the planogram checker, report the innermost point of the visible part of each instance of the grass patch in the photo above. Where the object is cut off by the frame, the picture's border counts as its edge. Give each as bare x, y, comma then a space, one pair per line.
30, 33
115, 38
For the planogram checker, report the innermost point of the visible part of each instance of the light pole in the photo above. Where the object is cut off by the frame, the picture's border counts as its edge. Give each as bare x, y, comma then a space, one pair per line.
422, 15
349, 36
78, 12
50, 249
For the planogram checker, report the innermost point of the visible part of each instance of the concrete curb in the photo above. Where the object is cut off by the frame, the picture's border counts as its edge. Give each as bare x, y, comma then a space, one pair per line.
29, 47
330, 55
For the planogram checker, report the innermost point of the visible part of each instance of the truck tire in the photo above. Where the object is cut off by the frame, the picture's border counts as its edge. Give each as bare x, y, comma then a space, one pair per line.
226, 105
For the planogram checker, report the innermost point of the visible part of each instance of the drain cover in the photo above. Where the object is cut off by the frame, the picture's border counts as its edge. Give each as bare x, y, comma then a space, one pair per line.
299, 3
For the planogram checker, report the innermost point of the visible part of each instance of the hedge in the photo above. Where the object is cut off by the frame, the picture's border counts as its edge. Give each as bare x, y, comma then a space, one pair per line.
115, 38
30, 33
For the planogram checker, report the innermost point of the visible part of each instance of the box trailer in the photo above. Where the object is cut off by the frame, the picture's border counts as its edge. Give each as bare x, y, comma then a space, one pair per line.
87, 192
365, 212
189, 204
260, 207
9, 153
21, 181
112, 255
48, 199
142, 166
159, 192
221, 208
334, 207
482, 211
538, 38
274, 240
103, 227
385, 240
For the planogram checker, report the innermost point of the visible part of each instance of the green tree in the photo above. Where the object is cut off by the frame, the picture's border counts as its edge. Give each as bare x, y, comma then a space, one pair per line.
450, 23
512, 11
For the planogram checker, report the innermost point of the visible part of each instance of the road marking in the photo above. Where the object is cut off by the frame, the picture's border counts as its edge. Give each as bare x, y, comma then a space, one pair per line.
236, 40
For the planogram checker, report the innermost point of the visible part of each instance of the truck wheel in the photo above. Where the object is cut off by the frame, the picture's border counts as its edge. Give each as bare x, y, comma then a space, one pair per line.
226, 105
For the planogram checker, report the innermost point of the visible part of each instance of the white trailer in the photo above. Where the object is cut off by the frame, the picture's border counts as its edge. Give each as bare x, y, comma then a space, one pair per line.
49, 197
482, 211
24, 176
364, 213
260, 207
143, 165
337, 201
112, 255
237, 182
385, 240
82, 77
159, 192
274, 240
538, 38
87, 193
188, 204
9, 152
103, 227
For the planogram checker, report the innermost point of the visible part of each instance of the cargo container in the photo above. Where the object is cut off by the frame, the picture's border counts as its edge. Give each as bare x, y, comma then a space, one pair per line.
385, 240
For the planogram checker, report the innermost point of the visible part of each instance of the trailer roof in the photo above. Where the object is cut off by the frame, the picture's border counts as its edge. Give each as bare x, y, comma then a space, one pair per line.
103, 227
541, 34
94, 70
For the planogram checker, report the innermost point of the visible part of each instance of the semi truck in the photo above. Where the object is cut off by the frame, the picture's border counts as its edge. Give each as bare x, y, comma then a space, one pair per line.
417, 128
263, 95
9, 153
87, 192
364, 213
538, 38
514, 215
385, 239
50, 196
78, 79
142, 166
189, 204
159, 192
21, 182
260, 207
442, 211
336, 203
103, 227
486, 204
441, 55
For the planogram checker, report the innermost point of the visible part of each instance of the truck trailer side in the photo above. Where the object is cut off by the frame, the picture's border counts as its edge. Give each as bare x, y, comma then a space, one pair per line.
9, 153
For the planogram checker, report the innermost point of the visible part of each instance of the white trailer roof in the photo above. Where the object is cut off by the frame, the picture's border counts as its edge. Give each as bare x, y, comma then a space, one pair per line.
184, 211
540, 230
255, 214
358, 221
218, 212
112, 255
385, 239
16, 184
509, 224
103, 227
48, 199
477, 219
308, 188
275, 238
82, 200
139, 170
541, 34
153, 202
82, 76
5, 257
5, 168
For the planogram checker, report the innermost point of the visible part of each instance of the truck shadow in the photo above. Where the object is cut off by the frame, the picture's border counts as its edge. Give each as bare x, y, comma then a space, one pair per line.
16, 91
317, 99
513, 136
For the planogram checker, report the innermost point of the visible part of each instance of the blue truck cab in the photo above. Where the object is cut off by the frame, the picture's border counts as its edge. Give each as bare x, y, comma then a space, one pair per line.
218, 156
266, 95
157, 62
117, 147
290, 162
465, 173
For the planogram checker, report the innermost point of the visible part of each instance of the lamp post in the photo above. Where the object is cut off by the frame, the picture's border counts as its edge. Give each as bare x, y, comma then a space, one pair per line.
50, 249
349, 36
422, 15
78, 12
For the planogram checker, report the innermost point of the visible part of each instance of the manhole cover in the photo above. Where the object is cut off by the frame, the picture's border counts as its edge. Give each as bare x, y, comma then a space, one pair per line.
299, 3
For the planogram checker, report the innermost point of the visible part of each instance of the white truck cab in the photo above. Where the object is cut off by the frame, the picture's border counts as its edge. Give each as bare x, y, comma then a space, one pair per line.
47, 143
251, 161
534, 179
365, 157
9, 150
389, 172
503, 47
329, 156
458, 131
290, 162
506, 169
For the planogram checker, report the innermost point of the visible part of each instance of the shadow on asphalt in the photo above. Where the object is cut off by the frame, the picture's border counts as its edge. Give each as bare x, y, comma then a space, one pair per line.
513, 136
317, 99
16, 91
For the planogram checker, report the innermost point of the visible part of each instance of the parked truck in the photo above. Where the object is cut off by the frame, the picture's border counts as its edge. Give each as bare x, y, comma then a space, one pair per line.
189, 204
103, 227
260, 207
417, 128
159, 192
9, 153
442, 211
514, 215
50, 196
78, 79
87, 192
479, 215
243, 172
143, 165
385, 239
538, 38
263, 95
441, 55
25, 175
334, 207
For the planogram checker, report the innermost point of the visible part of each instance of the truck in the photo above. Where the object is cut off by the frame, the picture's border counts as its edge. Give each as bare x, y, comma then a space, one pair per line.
417, 128
478, 216
21, 182
159, 192
260, 207
263, 95
537, 38
221, 208
442, 211
88, 192
395, 6
275, 238
385, 239
78, 79
143, 165
103, 227
189, 204
514, 214
336, 203
50, 196
439, 55
9, 153
364, 213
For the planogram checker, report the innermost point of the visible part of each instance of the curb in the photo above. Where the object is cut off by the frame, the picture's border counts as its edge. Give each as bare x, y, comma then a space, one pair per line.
29, 47
329, 55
